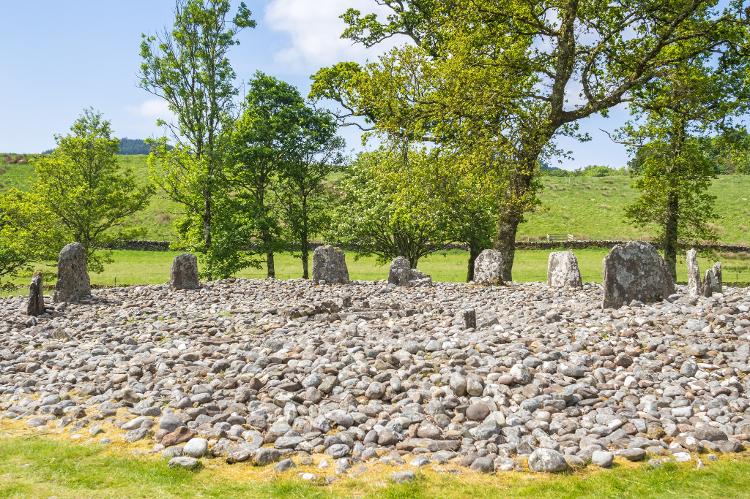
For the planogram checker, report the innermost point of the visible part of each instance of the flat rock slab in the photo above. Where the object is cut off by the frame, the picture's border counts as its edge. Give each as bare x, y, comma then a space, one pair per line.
635, 271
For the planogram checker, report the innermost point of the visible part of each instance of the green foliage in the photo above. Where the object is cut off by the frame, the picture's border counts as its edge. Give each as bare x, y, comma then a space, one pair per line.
673, 112
190, 69
258, 145
383, 211
492, 76
25, 234
85, 194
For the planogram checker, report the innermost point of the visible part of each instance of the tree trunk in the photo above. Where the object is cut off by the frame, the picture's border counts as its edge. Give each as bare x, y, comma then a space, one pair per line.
506, 240
207, 218
305, 257
474, 252
670, 233
270, 265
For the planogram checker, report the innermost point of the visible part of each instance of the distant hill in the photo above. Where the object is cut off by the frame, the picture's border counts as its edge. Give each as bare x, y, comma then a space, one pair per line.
128, 147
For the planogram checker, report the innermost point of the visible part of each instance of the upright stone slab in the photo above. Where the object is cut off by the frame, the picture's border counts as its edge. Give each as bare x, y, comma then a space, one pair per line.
488, 268
73, 282
635, 271
329, 265
562, 270
184, 273
401, 274
469, 318
694, 272
712, 283
35, 306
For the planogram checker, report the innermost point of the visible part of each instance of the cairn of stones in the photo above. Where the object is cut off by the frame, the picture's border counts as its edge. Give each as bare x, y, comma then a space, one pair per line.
73, 284
488, 268
712, 283
401, 274
184, 272
635, 271
693, 272
329, 265
35, 306
562, 270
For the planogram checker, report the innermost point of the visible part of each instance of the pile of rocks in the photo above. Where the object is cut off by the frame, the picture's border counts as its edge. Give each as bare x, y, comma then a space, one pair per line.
265, 371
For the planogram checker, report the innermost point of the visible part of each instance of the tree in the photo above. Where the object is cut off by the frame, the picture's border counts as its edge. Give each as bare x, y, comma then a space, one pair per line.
674, 115
190, 69
26, 236
85, 190
379, 213
259, 146
501, 73
314, 151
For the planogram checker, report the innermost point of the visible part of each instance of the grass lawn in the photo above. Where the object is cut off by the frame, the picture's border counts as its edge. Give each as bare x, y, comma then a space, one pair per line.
46, 467
587, 207
152, 267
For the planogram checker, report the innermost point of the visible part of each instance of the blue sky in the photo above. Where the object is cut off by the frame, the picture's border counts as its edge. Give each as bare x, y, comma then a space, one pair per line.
58, 57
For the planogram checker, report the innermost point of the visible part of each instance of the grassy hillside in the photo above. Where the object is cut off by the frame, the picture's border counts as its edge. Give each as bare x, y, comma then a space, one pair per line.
588, 207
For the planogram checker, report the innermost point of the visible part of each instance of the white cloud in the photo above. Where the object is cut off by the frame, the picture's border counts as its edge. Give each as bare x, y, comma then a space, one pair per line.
153, 109
314, 28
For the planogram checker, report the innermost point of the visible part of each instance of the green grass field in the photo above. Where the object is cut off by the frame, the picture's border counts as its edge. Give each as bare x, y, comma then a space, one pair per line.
152, 267
587, 207
39, 467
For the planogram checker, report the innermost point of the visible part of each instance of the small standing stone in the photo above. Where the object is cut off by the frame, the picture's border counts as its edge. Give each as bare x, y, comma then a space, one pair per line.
694, 273
329, 265
635, 271
401, 273
562, 270
184, 274
488, 268
73, 282
35, 306
712, 283
469, 318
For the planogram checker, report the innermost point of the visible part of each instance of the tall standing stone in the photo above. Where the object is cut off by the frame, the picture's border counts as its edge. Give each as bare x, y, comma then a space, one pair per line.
184, 273
73, 282
329, 265
713, 281
488, 268
563, 271
694, 273
35, 306
635, 271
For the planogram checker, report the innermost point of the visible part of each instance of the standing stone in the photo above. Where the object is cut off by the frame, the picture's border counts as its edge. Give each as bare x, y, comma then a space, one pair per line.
694, 273
329, 265
635, 271
488, 268
184, 274
562, 270
401, 274
73, 282
469, 318
712, 283
35, 306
